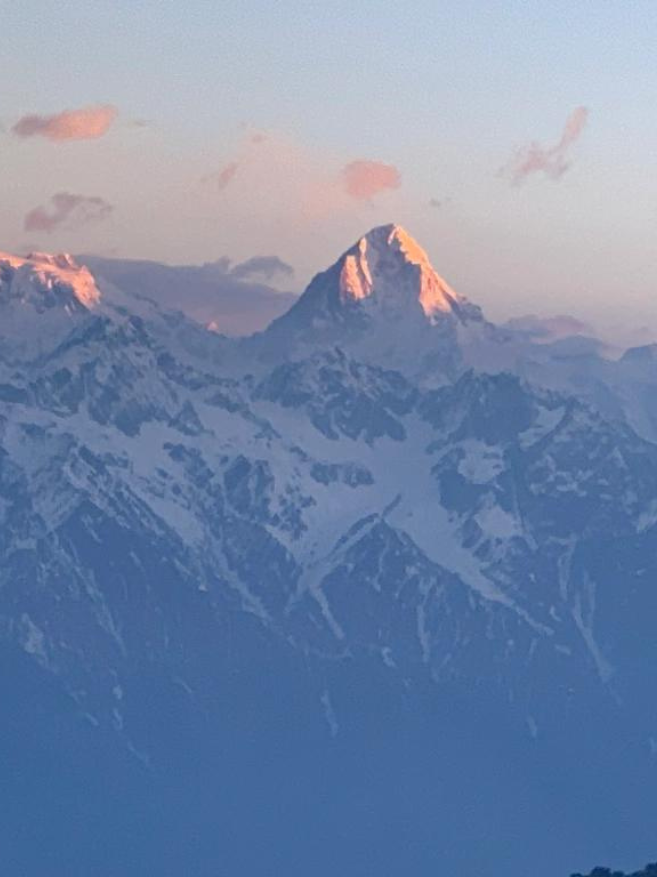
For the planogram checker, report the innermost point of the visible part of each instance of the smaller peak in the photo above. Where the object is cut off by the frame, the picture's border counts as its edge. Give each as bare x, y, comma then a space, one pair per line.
63, 261
59, 262
10, 260
646, 354
46, 278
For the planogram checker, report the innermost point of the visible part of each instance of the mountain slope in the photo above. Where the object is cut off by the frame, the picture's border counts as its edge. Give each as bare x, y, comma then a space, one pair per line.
384, 303
230, 577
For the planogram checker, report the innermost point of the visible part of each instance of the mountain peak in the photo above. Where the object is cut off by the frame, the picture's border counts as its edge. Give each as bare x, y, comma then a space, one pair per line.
43, 298
384, 303
384, 280
45, 280
394, 237
389, 269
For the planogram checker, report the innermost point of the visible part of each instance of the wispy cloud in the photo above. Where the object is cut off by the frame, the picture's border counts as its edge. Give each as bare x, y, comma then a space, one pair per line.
552, 161
265, 267
222, 177
364, 179
88, 123
279, 179
210, 293
68, 211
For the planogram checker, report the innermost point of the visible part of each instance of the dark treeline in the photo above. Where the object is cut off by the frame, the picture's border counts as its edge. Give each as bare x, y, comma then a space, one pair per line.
648, 871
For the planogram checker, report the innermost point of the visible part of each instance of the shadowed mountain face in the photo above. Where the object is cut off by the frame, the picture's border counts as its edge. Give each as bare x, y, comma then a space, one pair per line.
302, 604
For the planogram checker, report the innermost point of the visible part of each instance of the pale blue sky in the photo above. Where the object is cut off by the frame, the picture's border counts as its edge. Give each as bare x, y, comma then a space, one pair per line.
445, 92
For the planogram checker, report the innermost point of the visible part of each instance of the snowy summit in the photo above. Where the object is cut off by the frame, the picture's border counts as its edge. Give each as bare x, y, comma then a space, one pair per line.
43, 280
384, 301
42, 299
389, 270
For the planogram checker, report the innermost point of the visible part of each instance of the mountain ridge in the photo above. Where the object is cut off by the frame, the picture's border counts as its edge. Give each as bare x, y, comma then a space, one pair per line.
322, 547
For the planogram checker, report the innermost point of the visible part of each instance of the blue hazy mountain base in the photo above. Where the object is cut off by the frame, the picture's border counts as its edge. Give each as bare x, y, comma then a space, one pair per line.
261, 787
263, 614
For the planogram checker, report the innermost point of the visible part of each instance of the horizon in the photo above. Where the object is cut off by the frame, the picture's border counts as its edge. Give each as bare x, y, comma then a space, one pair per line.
505, 169
270, 278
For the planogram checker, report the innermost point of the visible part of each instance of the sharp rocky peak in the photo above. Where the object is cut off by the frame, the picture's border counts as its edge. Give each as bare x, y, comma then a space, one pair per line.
384, 279
388, 268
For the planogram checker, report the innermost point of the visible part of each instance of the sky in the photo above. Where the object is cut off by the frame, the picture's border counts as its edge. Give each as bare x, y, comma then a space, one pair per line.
517, 141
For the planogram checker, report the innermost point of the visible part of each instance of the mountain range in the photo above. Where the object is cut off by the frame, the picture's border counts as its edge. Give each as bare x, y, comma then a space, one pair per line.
369, 591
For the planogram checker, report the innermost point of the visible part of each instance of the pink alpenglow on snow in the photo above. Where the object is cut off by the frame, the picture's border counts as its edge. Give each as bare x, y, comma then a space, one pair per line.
373, 269
363, 180
88, 123
38, 274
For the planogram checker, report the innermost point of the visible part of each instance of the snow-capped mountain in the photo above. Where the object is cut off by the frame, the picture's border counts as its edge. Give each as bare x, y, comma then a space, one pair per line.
321, 538
384, 277
42, 299
384, 303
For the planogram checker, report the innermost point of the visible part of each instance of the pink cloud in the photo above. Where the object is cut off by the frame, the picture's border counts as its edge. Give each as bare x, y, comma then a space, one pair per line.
223, 177
363, 179
297, 184
88, 123
551, 161
67, 210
